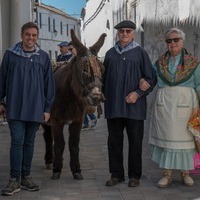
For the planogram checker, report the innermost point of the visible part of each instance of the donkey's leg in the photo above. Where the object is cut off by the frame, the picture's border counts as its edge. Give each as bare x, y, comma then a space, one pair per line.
59, 146
74, 138
48, 146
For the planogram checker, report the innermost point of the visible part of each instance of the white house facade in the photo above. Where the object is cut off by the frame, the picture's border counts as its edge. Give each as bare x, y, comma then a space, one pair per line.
99, 17
152, 18
54, 24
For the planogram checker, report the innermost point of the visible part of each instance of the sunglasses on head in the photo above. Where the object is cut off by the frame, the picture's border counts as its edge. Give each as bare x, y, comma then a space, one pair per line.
127, 31
169, 41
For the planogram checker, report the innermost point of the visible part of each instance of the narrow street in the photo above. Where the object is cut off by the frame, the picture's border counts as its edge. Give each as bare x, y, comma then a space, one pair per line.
94, 164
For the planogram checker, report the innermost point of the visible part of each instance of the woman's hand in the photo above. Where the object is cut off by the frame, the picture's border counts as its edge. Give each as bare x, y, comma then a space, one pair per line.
144, 85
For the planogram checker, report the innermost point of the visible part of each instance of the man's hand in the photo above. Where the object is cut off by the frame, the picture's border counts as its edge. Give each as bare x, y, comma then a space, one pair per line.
132, 97
46, 117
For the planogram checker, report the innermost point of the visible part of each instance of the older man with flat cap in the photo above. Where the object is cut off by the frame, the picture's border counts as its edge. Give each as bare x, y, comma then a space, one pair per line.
129, 77
65, 53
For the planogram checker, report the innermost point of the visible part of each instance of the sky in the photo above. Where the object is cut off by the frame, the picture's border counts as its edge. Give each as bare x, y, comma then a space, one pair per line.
71, 7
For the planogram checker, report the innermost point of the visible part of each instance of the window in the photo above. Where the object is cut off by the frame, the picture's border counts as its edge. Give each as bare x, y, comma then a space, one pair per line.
50, 54
67, 27
108, 24
56, 54
61, 28
54, 25
40, 18
49, 24
142, 35
142, 38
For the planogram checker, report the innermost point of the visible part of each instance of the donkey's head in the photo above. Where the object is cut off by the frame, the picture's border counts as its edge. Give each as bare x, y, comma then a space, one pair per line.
91, 68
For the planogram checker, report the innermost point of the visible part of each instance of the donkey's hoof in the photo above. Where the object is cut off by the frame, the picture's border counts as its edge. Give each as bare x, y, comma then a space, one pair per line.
78, 176
49, 166
55, 176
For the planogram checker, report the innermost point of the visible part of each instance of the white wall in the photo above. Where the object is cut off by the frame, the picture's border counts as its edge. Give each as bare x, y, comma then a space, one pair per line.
48, 39
95, 23
14, 13
113, 11
158, 16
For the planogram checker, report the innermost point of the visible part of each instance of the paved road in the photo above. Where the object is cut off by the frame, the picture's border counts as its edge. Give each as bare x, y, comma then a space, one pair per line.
94, 164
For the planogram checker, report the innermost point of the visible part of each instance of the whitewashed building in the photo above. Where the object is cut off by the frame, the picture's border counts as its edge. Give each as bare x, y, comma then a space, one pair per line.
152, 18
54, 24
99, 17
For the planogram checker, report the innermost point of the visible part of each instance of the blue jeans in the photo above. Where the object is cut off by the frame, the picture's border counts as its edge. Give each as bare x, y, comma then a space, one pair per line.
86, 120
22, 147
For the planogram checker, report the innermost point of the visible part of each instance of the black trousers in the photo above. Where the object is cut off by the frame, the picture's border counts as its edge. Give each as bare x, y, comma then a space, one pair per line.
135, 132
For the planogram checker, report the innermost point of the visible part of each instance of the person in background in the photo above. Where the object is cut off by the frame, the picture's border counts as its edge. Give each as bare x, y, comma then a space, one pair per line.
178, 74
27, 84
72, 49
126, 64
65, 53
93, 119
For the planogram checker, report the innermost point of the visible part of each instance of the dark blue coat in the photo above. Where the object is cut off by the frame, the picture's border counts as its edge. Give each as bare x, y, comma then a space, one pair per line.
123, 72
62, 58
27, 83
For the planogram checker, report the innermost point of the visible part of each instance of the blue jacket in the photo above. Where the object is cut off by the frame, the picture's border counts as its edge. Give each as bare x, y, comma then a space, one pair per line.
123, 70
65, 57
27, 83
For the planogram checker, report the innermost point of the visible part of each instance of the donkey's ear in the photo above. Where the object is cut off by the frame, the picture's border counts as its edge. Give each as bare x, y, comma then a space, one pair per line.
80, 48
97, 46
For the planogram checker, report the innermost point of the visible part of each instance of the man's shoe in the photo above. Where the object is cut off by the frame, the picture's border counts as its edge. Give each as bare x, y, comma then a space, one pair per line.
28, 184
114, 181
133, 182
12, 187
93, 123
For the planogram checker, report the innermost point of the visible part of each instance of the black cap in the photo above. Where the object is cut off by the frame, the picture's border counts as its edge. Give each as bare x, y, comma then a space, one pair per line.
125, 24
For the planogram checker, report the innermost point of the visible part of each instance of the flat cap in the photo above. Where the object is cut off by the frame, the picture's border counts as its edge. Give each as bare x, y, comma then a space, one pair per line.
125, 24
63, 44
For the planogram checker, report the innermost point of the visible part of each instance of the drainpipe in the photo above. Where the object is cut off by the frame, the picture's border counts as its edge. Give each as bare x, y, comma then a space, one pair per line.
127, 10
20, 13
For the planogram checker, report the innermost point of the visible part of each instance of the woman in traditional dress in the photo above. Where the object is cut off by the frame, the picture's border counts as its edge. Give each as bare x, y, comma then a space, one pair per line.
178, 76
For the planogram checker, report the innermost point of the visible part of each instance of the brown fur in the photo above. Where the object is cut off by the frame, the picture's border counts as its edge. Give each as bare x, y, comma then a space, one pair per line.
75, 84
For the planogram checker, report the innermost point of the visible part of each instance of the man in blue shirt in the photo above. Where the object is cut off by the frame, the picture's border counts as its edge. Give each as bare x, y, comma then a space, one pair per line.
65, 53
126, 64
27, 84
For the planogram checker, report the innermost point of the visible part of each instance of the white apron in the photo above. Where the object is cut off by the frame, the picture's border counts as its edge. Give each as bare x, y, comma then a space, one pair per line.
172, 110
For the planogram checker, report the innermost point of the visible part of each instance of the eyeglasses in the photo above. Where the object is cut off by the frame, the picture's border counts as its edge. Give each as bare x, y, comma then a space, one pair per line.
128, 31
169, 41
29, 34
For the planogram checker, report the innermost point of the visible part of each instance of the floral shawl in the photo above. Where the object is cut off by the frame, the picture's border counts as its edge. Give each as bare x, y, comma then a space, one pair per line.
184, 71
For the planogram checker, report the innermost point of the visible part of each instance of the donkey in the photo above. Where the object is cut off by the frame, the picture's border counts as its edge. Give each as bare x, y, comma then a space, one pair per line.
78, 84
